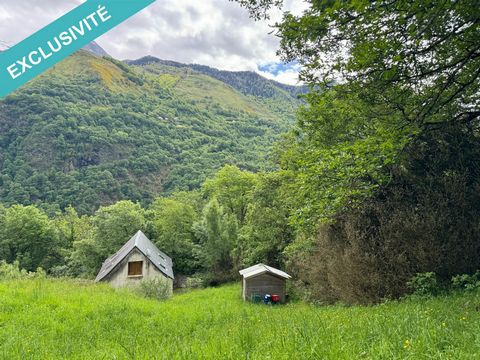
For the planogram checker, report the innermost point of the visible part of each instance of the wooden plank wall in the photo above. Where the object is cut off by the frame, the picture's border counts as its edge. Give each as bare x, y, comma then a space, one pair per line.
265, 284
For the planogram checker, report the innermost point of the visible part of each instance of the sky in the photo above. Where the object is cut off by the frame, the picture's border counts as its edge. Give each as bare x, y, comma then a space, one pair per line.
218, 33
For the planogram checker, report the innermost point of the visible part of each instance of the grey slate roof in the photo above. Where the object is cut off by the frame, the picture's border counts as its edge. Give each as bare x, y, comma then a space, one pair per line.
140, 242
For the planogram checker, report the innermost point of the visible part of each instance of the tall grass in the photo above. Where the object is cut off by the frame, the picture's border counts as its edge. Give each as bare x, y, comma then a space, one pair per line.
47, 319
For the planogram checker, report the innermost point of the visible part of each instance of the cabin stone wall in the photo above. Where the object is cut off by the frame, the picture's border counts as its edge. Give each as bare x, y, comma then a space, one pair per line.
119, 276
264, 284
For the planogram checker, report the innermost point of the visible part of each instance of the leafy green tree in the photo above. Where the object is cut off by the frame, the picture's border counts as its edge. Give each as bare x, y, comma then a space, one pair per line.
381, 73
217, 232
28, 236
426, 51
232, 188
87, 256
116, 224
78, 238
173, 232
267, 230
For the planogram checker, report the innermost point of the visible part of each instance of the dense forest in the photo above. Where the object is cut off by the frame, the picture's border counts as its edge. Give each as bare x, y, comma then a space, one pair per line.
374, 190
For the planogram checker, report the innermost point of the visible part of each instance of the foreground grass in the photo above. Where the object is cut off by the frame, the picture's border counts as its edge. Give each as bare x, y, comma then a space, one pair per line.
45, 319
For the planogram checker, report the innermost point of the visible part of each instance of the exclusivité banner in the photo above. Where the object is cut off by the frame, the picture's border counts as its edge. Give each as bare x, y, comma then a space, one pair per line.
61, 38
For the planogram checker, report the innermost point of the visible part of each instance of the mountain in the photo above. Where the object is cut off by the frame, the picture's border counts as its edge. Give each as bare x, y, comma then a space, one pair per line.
246, 82
4, 45
95, 49
92, 47
91, 131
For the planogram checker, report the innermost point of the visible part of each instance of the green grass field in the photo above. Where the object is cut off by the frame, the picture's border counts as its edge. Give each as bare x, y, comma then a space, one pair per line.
47, 319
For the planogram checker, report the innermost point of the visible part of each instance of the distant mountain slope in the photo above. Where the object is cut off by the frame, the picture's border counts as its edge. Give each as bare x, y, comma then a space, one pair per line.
93, 130
4, 45
247, 82
96, 49
92, 47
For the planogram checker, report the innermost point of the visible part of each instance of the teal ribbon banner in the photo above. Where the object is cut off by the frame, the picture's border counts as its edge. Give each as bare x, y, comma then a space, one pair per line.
61, 38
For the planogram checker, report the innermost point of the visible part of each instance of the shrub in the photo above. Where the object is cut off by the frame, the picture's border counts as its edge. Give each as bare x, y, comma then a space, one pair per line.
60, 271
155, 288
467, 282
195, 281
14, 272
424, 284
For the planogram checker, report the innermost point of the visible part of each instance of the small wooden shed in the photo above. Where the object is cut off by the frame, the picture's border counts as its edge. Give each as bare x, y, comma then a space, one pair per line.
139, 259
262, 279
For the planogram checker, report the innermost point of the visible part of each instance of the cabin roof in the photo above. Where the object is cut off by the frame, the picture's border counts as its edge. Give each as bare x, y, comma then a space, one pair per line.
262, 269
140, 242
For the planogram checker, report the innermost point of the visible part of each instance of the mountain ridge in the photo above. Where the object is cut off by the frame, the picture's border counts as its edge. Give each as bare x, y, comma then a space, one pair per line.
247, 82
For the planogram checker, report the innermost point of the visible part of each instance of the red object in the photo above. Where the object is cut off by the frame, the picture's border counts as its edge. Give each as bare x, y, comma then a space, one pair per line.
275, 298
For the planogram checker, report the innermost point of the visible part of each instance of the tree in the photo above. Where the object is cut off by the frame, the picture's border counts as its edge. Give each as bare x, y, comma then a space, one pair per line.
380, 73
232, 188
267, 230
116, 224
28, 236
173, 232
428, 51
217, 232
79, 248
390, 80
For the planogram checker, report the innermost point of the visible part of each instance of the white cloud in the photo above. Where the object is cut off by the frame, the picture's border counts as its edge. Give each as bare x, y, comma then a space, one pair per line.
218, 33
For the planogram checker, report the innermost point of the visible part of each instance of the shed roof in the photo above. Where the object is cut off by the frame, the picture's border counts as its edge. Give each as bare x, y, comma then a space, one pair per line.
261, 269
140, 242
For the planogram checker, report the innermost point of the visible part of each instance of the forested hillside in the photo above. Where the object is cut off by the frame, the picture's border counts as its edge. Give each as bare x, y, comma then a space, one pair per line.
247, 82
94, 130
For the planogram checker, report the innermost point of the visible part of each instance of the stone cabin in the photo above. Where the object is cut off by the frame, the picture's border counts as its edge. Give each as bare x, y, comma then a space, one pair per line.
139, 259
262, 279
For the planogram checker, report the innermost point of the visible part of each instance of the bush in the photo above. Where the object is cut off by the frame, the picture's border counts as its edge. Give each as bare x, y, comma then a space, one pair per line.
60, 271
195, 281
467, 282
13, 272
424, 284
155, 288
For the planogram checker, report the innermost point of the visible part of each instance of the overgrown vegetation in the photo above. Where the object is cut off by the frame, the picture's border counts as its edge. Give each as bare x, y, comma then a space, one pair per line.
155, 288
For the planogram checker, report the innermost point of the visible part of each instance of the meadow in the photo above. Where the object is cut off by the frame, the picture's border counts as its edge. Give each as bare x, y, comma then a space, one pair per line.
60, 319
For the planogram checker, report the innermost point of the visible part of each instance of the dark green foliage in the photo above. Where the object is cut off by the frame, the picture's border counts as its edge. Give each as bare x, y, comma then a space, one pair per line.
424, 220
467, 282
172, 220
424, 284
385, 155
29, 237
217, 233
236, 220
232, 188
267, 230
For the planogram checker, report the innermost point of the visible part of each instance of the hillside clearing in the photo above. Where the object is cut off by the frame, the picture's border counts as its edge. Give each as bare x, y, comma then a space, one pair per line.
46, 319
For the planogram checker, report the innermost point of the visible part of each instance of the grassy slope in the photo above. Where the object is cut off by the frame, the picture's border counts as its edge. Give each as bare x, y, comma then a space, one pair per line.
43, 319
